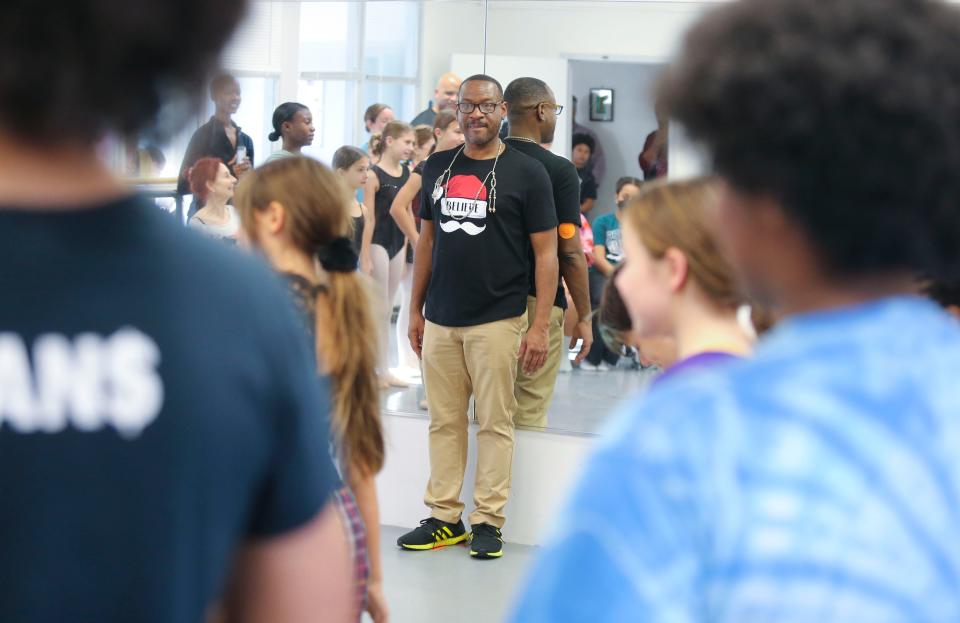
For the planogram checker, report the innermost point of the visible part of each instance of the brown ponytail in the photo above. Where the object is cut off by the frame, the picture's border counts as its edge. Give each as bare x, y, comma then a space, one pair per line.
317, 213
423, 134
375, 146
394, 130
347, 351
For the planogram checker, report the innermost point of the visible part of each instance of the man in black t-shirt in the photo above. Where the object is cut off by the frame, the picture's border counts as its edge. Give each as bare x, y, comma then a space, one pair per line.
164, 452
532, 109
482, 207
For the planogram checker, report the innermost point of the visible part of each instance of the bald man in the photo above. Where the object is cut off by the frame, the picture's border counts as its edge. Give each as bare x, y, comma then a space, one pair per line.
444, 98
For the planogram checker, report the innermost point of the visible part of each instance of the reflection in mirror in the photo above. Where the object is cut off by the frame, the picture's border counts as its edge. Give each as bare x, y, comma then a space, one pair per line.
339, 58
575, 49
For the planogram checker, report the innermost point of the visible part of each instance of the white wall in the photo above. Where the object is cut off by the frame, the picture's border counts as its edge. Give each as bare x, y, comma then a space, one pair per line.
633, 118
645, 31
448, 28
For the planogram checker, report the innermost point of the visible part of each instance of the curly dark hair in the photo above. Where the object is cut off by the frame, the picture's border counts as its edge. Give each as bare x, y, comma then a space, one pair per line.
581, 138
946, 294
846, 112
83, 68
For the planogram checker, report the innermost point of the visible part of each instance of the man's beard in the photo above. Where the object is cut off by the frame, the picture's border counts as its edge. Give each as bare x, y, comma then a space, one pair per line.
480, 142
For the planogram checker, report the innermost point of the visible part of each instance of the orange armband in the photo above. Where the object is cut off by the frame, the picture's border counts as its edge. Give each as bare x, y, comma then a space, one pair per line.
567, 230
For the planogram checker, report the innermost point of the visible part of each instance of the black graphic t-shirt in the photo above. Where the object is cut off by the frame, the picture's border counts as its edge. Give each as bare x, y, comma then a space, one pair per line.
481, 266
158, 407
566, 198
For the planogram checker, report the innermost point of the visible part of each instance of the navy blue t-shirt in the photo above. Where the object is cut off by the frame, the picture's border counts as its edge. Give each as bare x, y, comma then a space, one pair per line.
158, 407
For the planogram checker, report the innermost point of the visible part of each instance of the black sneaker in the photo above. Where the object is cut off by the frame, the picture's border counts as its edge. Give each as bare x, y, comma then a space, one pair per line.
432, 534
487, 542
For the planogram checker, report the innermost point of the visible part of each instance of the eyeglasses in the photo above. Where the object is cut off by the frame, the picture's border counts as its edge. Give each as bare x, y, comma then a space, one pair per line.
557, 108
485, 107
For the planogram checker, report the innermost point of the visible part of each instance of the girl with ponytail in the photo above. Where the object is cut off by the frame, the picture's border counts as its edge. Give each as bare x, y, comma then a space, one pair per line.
353, 166
387, 252
296, 211
293, 123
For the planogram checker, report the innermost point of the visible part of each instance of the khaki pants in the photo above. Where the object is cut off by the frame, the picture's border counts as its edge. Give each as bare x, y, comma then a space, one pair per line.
534, 392
458, 362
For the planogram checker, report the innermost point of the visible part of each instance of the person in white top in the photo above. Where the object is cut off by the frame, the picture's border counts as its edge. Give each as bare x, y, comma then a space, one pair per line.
212, 185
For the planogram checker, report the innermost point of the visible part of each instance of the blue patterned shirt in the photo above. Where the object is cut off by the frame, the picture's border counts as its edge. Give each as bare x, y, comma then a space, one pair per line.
818, 482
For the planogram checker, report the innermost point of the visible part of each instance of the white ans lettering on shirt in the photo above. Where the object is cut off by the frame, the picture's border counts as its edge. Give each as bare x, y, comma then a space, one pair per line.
87, 382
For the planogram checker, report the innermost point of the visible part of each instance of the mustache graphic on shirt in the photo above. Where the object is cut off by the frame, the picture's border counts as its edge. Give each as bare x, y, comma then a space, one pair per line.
466, 201
468, 227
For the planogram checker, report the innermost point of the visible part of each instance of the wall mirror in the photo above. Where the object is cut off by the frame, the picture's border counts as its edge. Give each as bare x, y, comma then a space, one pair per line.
339, 57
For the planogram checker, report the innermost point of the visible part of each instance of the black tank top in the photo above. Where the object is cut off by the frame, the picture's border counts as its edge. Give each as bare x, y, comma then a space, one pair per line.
386, 233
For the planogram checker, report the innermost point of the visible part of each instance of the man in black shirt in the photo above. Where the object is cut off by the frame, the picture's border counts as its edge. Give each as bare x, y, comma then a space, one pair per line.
220, 137
532, 111
482, 207
163, 435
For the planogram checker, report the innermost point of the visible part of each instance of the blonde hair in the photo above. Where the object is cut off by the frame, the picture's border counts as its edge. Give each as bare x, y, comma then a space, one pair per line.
394, 130
317, 212
673, 215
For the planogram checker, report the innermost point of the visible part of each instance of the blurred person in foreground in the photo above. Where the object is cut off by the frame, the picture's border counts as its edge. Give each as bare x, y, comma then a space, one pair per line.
296, 212
816, 481
947, 294
155, 465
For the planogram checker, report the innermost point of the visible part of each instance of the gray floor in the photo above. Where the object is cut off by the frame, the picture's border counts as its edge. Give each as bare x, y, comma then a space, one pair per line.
447, 586
582, 401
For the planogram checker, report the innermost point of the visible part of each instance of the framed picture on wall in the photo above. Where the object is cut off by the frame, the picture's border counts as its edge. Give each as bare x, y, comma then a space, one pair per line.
601, 104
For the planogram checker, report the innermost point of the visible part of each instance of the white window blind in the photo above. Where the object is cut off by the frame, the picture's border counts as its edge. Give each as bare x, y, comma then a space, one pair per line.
256, 45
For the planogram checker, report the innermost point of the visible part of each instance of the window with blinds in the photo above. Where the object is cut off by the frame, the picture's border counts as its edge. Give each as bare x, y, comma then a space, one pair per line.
256, 46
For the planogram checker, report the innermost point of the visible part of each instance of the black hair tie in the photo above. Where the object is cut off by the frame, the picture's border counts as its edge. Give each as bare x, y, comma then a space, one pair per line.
339, 256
